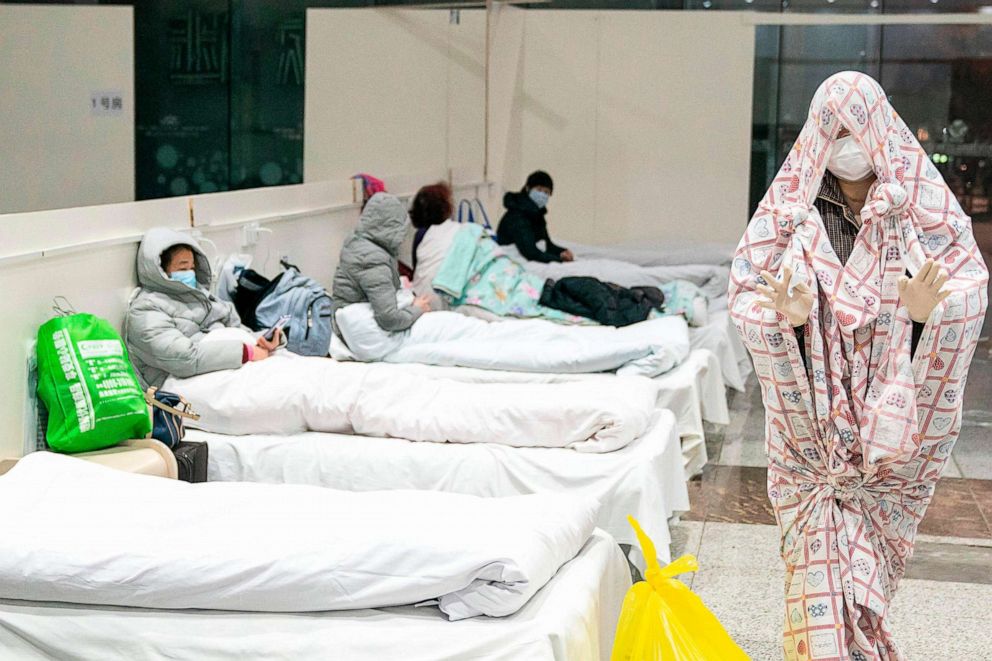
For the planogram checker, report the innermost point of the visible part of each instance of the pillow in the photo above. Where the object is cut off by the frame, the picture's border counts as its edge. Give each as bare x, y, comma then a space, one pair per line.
687, 299
431, 253
362, 333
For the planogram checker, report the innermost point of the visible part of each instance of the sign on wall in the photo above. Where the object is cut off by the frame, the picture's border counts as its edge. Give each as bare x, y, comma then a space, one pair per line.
105, 103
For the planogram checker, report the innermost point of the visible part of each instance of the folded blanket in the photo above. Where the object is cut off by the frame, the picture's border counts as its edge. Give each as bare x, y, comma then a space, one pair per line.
79, 532
288, 394
648, 348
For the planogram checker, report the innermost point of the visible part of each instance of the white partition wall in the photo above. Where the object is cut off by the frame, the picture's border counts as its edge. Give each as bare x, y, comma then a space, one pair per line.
642, 118
87, 255
394, 91
58, 149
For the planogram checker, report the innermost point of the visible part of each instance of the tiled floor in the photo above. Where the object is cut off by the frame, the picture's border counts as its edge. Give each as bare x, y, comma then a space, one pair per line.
736, 494
944, 605
741, 578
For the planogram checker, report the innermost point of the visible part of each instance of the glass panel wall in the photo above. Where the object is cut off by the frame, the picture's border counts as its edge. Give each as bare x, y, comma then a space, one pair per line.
267, 99
219, 89
939, 78
182, 97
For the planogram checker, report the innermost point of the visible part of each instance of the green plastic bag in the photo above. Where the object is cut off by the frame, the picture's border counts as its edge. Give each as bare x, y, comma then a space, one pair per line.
87, 383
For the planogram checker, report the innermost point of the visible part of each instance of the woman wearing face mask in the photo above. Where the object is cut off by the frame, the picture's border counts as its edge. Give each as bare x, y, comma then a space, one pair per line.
171, 313
524, 223
860, 293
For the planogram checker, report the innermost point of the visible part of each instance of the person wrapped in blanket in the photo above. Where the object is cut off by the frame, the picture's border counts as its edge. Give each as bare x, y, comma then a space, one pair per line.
172, 311
459, 266
368, 269
860, 293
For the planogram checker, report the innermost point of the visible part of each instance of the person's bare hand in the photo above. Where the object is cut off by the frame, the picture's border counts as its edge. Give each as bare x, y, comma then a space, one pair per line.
567, 256
259, 353
423, 302
921, 293
270, 345
796, 307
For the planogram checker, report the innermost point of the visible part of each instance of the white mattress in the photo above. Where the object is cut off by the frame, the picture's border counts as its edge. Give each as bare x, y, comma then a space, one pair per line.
645, 479
720, 337
573, 617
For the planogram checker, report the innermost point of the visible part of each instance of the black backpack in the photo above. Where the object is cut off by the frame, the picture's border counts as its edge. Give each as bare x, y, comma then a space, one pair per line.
252, 288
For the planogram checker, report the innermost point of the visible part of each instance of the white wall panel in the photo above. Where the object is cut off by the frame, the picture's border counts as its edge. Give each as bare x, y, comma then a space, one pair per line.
55, 151
642, 118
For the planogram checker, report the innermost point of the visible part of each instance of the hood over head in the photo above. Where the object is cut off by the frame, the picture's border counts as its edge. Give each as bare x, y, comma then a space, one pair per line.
150, 273
384, 222
909, 185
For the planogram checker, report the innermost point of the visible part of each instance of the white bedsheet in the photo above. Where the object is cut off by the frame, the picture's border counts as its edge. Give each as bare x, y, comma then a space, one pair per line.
711, 278
720, 337
644, 479
287, 394
572, 618
79, 532
647, 348
659, 253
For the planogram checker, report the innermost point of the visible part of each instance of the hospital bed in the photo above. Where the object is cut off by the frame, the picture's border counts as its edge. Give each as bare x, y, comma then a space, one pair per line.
703, 265
571, 618
644, 479
694, 392
536, 351
717, 335
573, 433
311, 571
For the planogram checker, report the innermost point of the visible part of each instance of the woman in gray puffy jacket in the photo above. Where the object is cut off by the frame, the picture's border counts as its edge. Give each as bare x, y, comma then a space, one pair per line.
173, 311
368, 271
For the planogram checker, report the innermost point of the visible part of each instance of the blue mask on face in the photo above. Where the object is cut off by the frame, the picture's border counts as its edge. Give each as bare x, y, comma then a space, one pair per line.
188, 278
539, 197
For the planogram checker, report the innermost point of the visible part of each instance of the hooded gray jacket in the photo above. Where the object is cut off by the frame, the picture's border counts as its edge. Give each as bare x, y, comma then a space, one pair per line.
166, 320
368, 270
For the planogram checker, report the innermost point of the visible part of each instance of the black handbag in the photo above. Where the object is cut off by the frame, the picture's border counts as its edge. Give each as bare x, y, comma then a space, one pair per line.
168, 412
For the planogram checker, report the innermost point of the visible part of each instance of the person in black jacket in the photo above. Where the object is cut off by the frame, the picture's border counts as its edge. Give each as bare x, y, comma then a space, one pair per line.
523, 224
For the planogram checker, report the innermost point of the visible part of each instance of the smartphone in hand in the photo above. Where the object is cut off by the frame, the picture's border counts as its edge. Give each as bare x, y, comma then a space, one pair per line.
270, 334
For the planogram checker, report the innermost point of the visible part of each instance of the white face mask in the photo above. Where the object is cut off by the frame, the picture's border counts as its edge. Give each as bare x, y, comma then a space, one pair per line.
847, 161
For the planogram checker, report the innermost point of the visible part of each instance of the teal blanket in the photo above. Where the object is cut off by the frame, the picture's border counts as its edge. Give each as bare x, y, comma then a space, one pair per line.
476, 272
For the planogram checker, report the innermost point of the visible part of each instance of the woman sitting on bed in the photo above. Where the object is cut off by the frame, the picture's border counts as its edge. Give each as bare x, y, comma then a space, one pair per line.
459, 266
431, 211
171, 313
368, 270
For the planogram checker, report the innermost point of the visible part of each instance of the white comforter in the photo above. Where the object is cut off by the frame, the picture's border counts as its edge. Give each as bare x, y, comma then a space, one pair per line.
79, 532
572, 618
644, 479
288, 394
648, 348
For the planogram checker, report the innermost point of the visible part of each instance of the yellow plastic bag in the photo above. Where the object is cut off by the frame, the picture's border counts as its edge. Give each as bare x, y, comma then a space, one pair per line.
663, 620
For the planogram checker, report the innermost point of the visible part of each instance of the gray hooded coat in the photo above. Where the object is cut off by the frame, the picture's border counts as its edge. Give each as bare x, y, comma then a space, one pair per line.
166, 320
368, 270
